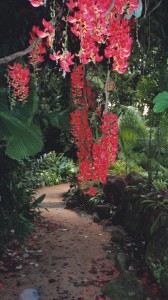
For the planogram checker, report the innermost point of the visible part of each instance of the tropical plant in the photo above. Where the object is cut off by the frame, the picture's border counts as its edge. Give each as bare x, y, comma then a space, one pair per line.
50, 169
97, 199
132, 132
161, 102
21, 135
119, 167
18, 208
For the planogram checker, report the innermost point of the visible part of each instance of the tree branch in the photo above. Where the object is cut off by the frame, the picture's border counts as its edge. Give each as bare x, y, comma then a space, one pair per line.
146, 16
13, 56
7, 59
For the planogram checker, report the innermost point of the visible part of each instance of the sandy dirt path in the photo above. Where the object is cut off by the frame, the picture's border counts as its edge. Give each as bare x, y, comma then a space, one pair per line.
64, 259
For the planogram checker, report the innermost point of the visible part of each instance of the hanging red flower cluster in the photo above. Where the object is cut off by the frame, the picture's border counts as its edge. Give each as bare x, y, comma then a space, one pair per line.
77, 83
94, 157
64, 58
102, 28
105, 150
100, 23
109, 130
90, 95
19, 79
37, 54
81, 131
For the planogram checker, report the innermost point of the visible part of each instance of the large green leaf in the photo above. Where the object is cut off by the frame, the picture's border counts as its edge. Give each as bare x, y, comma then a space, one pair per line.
161, 102
60, 120
161, 97
161, 107
22, 140
28, 109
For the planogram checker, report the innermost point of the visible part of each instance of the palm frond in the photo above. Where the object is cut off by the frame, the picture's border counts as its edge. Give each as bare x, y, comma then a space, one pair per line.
132, 128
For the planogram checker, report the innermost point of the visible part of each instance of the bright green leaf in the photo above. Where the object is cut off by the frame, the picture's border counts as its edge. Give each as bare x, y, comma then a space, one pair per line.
161, 97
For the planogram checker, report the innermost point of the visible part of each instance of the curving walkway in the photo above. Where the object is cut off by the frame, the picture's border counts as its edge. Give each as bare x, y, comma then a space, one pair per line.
65, 257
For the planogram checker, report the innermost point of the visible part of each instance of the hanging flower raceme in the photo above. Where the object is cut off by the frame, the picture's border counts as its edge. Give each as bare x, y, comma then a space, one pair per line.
89, 95
65, 60
19, 79
109, 130
77, 83
103, 153
105, 150
82, 133
98, 23
48, 32
36, 56
94, 157
47, 35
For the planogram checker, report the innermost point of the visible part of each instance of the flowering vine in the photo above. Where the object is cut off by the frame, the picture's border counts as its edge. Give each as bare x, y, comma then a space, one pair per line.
104, 33
94, 155
19, 79
102, 30
101, 27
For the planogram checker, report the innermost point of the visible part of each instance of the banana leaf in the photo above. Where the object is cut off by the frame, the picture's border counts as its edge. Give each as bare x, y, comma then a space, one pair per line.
21, 140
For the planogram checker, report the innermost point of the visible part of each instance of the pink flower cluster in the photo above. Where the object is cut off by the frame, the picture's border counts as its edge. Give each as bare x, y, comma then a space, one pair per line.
94, 157
19, 79
95, 24
37, 54
64, 58
77, 82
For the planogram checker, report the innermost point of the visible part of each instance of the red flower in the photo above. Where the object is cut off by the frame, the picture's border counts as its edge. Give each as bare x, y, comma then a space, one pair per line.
71, 4
36, 3
65, 60
77, 83
37, 54
19, 79
94, 27
48, 32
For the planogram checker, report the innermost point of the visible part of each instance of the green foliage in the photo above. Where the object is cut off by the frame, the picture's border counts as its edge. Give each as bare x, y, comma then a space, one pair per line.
97, 199
160, 185
132, 129
146, 88
119, 168
18, 207
22, 141
155, 204
132, 133
51, 169
22, 137
160, 102
61, 119
162, 175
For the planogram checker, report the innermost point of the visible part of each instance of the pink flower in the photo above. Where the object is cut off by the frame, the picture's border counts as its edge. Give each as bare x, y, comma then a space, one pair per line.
36, 3
19, 79
65, 59
48, 32
71, 4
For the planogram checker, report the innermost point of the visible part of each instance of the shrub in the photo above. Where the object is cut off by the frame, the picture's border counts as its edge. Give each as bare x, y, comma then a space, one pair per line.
51, 169
18, 206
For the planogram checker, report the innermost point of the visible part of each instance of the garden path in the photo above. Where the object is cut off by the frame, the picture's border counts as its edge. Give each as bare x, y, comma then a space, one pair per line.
64, 258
